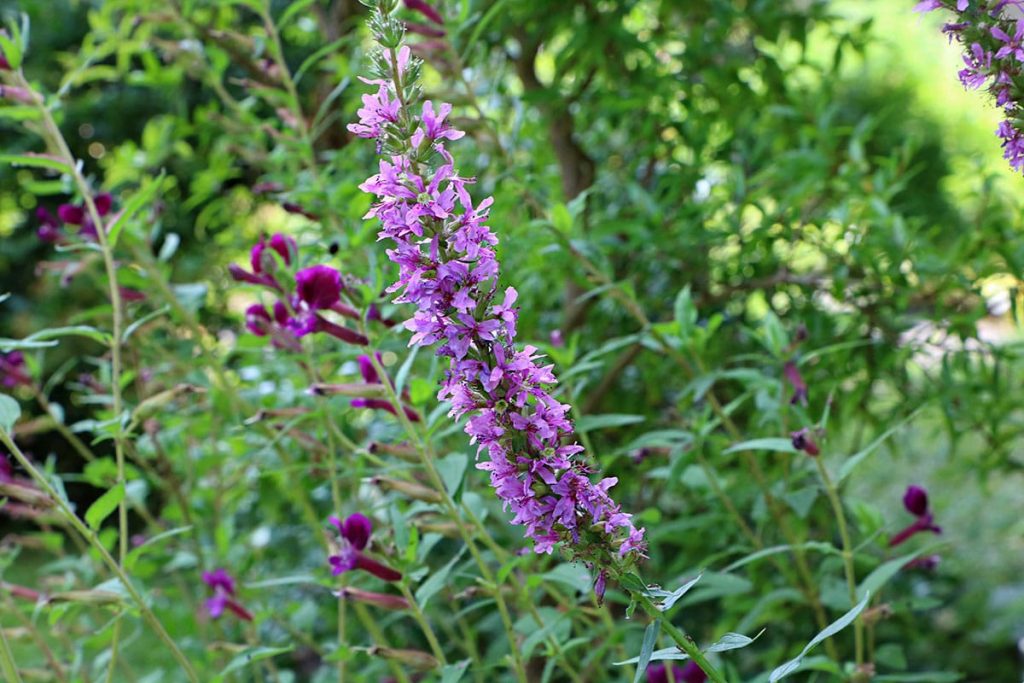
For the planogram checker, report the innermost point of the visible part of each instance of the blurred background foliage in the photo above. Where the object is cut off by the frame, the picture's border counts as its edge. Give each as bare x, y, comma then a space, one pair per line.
696, 180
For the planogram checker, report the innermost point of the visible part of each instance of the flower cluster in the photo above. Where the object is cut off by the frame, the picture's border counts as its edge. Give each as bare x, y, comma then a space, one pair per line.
297, 313
915, 500
223, 595
355, 532
449, 272
993, 58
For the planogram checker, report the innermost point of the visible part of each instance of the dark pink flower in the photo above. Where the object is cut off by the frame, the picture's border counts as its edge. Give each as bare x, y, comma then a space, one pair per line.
319, 287
13, 371
425, 9
796, 380
804, 441
264, 263
915, 500
49, 229
76, 214
223, 595
355, 532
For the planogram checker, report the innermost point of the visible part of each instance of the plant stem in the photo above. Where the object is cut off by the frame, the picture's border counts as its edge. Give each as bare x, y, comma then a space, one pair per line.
94, 542
848, 566
7, 664
680, 638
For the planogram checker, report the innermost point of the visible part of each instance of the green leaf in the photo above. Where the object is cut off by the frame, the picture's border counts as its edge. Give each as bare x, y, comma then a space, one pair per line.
138, 200
777, 444
135, 553
103, 506
829, 631
924, 677
881, 575
730, 641
250, 656
646, 649
436, 581
686, 314
143, 320
776, 549
70, 331
10, 411
589, 423
35, 161
453, 672
292, 12
452, 470
851, 463
671, 598
11, 51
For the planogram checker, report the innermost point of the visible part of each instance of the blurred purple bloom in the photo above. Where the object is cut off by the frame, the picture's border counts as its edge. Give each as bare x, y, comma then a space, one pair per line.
425, 9
261, 262
13, 371
796, 380
915, 500
689, 673
318, 287
76, 214
223, 595
355, 532
804, 441
49, 229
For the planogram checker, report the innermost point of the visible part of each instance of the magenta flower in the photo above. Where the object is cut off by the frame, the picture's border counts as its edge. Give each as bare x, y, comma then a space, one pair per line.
796, 380
49, 229
355, 534
76, 214
915, 500
223, 595
319, 287
804, 441
263, 262
425, 9
689, 673
13, 371
6, 469
449, 272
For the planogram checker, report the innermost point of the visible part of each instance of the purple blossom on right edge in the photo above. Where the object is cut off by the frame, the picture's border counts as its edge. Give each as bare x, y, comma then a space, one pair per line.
450, 273
993, 45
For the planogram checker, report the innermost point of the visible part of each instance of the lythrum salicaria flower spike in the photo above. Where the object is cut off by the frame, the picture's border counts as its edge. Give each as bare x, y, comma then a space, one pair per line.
993, 43
449, 272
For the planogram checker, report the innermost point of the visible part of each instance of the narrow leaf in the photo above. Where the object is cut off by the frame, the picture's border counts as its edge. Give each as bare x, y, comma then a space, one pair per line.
103, 506
770, 444
10, 411
647, 648
829, 631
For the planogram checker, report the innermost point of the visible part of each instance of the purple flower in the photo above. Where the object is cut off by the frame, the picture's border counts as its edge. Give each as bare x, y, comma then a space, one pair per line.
257, 320
927, 6
449, 272
425, 9
263, 262
318, 287
796, 380
689, 673
915, 500
13, 372
804, 441
76, 214
927, 563
223, 595
355, 532
49, 229
1011, 44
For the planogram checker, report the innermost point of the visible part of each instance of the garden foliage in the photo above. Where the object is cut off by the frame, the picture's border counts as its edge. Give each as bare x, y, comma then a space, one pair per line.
476, 340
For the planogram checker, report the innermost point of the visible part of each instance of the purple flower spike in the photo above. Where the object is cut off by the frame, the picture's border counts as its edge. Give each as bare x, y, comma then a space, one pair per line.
319, 287
449, 273
915, 500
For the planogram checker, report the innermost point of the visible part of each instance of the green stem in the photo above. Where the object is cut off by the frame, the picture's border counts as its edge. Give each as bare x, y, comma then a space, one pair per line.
680, 638
94, 542
848, 566
7, 664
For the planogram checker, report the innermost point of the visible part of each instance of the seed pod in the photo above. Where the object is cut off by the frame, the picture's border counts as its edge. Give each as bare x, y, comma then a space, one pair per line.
408, 489
383, 600
357, 390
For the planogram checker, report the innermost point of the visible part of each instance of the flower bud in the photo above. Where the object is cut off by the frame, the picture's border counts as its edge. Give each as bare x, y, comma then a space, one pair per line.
409, 489
414, 658
382, 600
